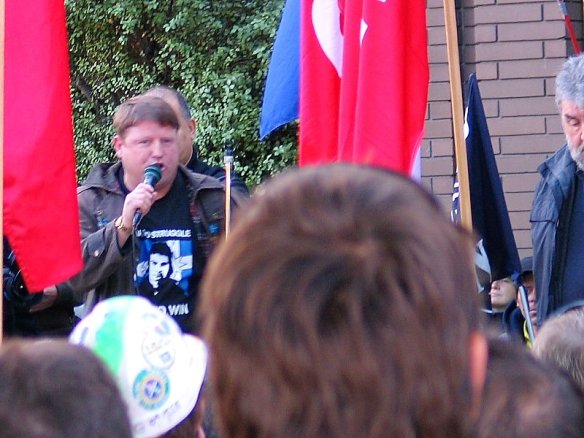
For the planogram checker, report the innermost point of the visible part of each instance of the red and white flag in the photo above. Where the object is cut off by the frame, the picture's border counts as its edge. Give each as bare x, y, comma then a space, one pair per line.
41, 216
364, 82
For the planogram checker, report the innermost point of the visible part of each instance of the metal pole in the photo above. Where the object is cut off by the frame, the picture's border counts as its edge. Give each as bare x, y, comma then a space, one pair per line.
228, 161
525, 305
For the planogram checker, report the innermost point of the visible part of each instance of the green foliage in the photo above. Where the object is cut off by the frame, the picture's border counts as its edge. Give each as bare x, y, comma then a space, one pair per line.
215, 52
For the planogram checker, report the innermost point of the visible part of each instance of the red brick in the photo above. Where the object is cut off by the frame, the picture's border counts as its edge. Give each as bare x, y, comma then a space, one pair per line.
436, 36
439, 72
491, 107
530, 144
530, 31
509, 88
517, 2
523, 242
529, 106
485, 33
530, 68
552, 12
442, 185
555, 48
499, 51
439, 91
475, 3
517, 126
510, 164
440, 110
438, 128
425, 149
426, 182
554, 125
519, 219
435, 17
437, 54
521, 182
434, 4
487, 70
495, 143
550, 83
437, 166
442, 147
518, 201
500, 13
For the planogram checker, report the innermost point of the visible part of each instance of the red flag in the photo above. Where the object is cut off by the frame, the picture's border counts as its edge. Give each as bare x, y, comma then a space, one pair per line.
364, 82
41, 217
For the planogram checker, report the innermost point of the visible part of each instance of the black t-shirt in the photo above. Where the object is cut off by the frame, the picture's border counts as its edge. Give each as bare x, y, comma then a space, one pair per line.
165, 272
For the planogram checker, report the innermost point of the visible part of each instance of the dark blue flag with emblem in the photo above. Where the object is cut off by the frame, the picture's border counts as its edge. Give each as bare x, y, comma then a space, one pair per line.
489, 210
496, 248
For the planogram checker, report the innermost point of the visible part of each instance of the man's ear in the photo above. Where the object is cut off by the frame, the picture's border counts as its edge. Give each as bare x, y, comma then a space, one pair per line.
117, 142
478, 358
193, 128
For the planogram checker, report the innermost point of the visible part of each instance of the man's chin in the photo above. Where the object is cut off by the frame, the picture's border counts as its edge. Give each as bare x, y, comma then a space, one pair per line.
578, 156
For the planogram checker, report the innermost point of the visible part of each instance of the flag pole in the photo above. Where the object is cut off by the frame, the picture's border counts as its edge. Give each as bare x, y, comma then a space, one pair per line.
457, 113
228, 161
525, 305
2, 38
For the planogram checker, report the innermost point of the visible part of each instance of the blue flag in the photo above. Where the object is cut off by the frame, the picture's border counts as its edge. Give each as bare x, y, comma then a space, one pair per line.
489, 211
281, 94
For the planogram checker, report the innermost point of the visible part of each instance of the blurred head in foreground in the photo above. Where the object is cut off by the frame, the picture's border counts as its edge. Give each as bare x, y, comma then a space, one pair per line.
51, 389
343, 303
525, 397
560, 341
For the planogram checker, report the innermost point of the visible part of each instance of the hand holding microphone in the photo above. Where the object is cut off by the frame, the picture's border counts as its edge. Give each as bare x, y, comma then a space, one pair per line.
137, 202
152, 175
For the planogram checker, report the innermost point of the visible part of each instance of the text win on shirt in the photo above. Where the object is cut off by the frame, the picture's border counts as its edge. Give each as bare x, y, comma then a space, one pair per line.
175, 309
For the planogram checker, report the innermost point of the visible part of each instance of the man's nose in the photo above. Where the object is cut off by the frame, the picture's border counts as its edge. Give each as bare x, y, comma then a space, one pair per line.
581, 135
157, 148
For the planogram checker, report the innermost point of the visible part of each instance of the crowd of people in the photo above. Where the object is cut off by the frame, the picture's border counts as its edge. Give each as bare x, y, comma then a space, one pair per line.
342, 303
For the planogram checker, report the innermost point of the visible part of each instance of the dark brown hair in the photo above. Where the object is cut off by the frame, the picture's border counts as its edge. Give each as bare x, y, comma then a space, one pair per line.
143, 108
341, 304
52, 389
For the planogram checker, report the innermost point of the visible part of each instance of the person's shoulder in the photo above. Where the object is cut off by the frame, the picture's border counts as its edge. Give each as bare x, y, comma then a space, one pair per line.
101, 176
199, 180
512, 318
560, 159
210, 191
218, 172
558, 173
204, 168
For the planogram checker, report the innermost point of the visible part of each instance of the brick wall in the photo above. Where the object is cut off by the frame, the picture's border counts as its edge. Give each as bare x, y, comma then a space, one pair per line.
515, 47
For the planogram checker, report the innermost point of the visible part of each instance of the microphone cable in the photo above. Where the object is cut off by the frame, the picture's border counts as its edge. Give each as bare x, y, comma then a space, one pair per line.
152, 175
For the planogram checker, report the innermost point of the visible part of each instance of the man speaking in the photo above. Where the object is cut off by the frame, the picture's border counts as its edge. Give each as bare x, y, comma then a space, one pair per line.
124, 214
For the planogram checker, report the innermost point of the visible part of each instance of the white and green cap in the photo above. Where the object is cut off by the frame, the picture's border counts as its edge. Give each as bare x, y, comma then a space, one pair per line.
159, 369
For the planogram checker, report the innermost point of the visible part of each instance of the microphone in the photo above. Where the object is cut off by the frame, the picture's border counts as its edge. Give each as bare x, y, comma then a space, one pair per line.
152, 175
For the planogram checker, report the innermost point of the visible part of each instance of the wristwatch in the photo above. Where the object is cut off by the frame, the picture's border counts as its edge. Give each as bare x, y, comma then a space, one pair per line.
119, 224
